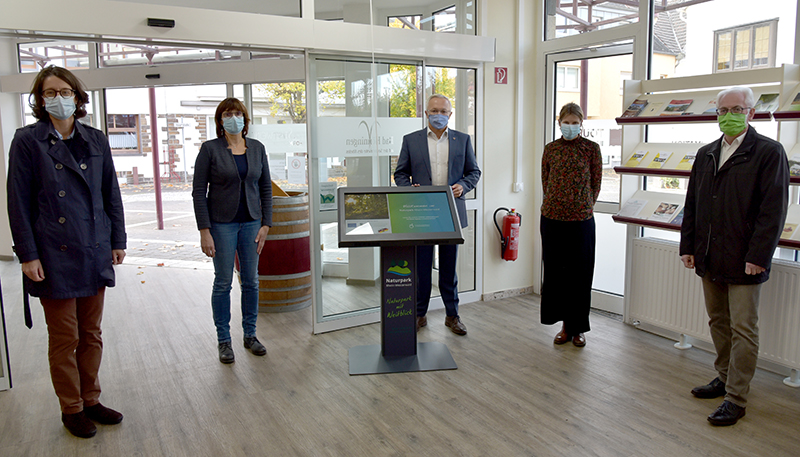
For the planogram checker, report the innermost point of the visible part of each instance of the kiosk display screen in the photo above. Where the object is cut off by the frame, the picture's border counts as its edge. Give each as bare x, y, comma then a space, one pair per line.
375, 216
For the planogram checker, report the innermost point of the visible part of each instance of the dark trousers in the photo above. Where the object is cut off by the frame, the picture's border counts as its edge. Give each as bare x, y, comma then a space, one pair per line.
568, 254
448, 281
75, 349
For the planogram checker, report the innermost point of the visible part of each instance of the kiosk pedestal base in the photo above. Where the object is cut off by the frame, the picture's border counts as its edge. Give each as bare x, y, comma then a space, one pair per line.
430, 357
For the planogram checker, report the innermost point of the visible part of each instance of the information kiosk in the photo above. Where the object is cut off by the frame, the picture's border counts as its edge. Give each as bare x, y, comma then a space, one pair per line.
397, 219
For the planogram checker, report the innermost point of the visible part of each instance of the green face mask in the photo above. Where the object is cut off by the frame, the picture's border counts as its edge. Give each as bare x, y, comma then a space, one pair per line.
732, 124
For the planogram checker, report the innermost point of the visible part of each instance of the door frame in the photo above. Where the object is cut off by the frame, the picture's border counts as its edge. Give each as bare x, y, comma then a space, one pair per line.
602, 300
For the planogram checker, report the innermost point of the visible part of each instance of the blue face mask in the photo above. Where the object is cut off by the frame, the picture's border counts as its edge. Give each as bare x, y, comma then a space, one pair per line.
59, 107
438, 121
233, 124
570, 131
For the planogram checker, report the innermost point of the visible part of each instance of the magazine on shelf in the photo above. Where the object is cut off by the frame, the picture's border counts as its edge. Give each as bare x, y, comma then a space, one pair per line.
632, 208
651, 109
678, 219
711, 107
788, 231
660, 159
665, 212
794, 165
677, 107
636, 159
636, 107
795, 105
687, 161
767, 102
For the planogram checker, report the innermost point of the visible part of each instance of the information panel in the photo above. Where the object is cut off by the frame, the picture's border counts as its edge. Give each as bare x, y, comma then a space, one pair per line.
375, 216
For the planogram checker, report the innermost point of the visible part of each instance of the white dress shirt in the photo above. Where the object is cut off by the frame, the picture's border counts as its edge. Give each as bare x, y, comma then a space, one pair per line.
727, 150
439, 151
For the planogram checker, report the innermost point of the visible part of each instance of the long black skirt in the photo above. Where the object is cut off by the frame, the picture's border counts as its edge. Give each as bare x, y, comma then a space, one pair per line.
568, 255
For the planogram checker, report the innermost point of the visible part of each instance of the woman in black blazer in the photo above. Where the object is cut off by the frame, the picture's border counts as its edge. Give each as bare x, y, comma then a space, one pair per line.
232, 193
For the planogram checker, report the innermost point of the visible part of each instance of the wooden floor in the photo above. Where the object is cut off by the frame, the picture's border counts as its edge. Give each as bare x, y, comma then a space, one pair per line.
514, 393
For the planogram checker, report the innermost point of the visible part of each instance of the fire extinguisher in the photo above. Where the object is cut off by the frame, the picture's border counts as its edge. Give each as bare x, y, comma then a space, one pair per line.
509, 236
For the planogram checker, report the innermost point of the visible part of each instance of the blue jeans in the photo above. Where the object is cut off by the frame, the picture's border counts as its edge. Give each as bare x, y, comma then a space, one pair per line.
229, 239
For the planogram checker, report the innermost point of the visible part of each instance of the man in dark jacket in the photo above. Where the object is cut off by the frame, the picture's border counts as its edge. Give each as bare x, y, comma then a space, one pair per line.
735, 210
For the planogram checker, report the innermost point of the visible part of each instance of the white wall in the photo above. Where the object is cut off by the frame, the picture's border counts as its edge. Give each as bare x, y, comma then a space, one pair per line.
499, 143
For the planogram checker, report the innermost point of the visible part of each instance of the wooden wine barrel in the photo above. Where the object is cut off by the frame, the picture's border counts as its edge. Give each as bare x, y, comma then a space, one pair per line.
284, 267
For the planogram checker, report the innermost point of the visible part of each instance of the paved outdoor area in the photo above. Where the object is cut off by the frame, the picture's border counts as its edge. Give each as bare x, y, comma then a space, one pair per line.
178, 244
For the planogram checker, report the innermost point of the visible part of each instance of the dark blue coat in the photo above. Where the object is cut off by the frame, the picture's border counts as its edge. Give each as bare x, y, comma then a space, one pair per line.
67, 215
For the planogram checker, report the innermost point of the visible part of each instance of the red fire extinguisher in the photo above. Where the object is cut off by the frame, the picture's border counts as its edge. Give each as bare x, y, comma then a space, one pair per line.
509, 236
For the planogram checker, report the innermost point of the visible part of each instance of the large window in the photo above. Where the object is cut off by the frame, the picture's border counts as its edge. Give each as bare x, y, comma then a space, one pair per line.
571, 17
34, 56
746, 47
700, 37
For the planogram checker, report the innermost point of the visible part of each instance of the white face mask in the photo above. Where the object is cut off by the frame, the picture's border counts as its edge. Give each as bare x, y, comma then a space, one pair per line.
59, 107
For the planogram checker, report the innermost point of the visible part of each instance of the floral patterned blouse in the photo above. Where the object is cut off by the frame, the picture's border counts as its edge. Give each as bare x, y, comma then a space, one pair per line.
571, 175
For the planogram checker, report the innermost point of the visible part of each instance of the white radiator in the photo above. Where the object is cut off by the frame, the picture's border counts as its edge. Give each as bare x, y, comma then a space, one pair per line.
668, 296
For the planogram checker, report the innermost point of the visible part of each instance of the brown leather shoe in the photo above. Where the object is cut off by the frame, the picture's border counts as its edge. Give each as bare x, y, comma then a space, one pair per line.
422, 321
455, 324
562, 337
579, 340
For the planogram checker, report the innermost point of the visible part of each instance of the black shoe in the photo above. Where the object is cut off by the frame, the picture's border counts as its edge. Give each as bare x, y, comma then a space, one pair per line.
727, 414
255, 346
226, 352
79, 425
713, 389
102, 415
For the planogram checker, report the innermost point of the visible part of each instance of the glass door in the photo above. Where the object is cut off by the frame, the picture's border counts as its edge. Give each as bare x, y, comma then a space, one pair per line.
359, 111
594, 80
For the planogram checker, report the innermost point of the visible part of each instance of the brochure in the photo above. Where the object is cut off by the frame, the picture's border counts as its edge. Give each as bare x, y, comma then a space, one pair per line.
767, 102
677, 107
788, 231
636, 107
636, 159
794, 165
632, 208
652, 109
687, 161
665, 212
660, 159
678, 219
711, 107
795, 105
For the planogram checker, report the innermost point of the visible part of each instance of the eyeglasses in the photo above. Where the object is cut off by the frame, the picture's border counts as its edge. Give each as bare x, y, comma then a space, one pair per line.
734, 110
229, 114
51, 93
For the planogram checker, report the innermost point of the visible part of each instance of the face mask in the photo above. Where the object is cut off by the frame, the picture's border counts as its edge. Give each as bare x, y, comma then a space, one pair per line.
438, 121
732, 124
59, 107
570, 131
233, 124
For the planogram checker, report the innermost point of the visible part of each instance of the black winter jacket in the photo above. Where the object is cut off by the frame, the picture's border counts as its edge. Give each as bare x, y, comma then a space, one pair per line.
736, 214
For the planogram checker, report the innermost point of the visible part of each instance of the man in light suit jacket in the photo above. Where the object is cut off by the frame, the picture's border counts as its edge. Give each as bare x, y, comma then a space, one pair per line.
439, 156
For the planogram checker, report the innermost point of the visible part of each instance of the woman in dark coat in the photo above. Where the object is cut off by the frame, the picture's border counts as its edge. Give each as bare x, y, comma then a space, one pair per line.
572, 170
232, 193
68, 226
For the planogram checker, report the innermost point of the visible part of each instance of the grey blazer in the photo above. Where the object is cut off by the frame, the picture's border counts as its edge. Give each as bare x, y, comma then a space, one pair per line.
414, 165
215, 187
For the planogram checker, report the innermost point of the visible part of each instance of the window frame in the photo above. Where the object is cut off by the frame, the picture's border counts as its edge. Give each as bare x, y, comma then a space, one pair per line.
772, 52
